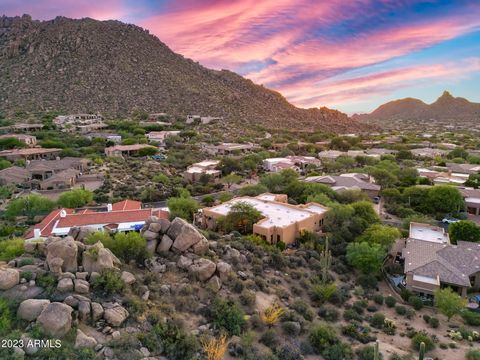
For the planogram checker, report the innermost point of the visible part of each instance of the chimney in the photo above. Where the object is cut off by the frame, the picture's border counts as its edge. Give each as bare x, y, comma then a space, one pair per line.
37, 233
109, 207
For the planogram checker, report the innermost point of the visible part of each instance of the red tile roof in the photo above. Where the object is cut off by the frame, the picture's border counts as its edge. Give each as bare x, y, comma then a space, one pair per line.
127, 205
122, 212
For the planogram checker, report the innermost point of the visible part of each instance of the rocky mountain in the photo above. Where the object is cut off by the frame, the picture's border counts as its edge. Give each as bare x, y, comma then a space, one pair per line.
115, 68
447, 109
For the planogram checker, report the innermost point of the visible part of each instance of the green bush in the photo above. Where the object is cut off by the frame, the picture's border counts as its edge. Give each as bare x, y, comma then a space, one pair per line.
6, 316
400, 309
270, 339
366, 353
473, 354
10, 249
338, 351
109, 282
25, 261
128, 246
47, 281
247, 297
390, 301
378, 299
303, 309
415, 302
75, 198
377, 320
321, 337
420, 337
323, 292
227, 315
433, 322
471, 318
328, 313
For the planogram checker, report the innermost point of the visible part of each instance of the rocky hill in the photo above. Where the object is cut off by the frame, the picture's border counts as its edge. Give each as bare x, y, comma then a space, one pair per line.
113, 68
447, 109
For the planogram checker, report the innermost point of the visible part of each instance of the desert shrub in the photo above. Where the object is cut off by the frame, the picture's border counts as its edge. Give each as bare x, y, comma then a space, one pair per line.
303, 309
378, 299
359, 306
338, 351
420, 337
367, 281
366, 353
289, 352
135, 306
109, 282
473, 354
372, 308
25, 261
350, 314
405, 294
47, 281
10, 249
7, 316
433, 322
390, 301
128, 246
400, 309
247, 297
358, 332
426, 318
323, 292
291, 328
471, 318
170, 339
377, 320
415, 302
409, 313
321, 337
227, 315
269, 338
27, 275
328, 313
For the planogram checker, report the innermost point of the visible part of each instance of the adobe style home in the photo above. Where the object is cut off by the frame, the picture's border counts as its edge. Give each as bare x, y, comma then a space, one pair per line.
281, 221
351, 181
35, 153
431, 262
123, 216
128, 150
28, 140
207, 167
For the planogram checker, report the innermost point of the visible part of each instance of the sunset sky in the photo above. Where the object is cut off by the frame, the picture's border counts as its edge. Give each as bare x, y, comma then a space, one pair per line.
352, 55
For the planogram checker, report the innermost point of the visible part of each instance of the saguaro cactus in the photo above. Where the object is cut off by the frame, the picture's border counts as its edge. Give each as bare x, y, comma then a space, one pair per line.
325, 261
421, 352
376, 354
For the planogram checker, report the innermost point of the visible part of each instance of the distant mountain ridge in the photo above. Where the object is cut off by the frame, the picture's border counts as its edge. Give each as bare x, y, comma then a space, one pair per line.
115, 68
445, 108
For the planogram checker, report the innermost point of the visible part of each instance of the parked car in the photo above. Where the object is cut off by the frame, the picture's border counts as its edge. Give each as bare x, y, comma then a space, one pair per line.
449, 220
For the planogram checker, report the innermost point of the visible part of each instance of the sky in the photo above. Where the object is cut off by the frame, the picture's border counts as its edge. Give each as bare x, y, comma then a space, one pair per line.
350, 55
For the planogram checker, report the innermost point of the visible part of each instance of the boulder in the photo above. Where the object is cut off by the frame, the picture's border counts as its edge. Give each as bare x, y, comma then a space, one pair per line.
55, 265
116, 315
82, 286
175, 227
165, 223
97, 258
31, 309
187, 237
215, 283
165, 245
152, 245
150, 235
65, 285
65, 249
84, 341
81, 275
128, 278
184, 262
203, 269
8, 278
154, 227
224, 269
56, 319
201, 247
83, 233
29, 345
97, 311
84, 310
71, 301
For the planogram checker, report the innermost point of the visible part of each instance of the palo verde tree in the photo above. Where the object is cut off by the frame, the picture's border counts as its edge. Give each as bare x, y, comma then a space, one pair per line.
241, 217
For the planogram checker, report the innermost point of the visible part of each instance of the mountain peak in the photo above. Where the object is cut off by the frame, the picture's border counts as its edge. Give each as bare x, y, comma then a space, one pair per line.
87, 65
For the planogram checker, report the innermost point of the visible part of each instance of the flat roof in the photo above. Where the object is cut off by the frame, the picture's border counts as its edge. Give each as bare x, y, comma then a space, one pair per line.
428, 233
276, 214
316, 208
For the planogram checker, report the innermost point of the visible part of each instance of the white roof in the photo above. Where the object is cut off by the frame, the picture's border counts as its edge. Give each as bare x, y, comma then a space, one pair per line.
474, 200
316, 208
428, 233
426, 279
207, 163
276, 214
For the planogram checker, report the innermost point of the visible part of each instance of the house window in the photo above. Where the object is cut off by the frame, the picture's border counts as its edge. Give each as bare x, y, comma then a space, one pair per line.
278, 238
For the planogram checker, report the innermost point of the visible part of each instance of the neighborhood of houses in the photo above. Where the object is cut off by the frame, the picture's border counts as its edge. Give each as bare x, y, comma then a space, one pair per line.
430, 261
